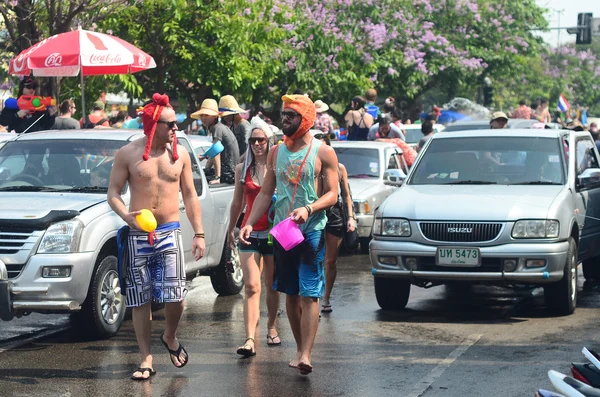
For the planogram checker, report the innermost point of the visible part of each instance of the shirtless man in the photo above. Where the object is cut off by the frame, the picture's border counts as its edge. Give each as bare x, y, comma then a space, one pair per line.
153, 266
305, 173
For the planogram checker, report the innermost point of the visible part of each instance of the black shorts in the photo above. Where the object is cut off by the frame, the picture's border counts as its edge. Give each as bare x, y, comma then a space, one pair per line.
259, 243
335, 221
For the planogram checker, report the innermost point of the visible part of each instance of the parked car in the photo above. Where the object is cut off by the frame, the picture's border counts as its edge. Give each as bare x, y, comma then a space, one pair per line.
366, 163
58, 250
413, 134
506, 207
485, 124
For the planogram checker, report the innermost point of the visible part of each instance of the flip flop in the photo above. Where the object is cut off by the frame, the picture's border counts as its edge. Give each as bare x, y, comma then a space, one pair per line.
176, 353
142, 370
246, 352
271, 340
326, 309
304, 368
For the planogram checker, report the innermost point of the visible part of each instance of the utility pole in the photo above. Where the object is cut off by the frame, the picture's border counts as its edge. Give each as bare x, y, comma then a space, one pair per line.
558, 13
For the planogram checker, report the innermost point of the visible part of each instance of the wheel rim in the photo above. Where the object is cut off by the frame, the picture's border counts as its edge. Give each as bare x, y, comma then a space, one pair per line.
573, 278
237, 275
111, 298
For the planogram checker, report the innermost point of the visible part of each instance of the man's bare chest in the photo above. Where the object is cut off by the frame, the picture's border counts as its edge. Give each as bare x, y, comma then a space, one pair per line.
157, 170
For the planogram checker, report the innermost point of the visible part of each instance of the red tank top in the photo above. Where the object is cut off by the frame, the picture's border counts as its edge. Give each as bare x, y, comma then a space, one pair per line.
251, 190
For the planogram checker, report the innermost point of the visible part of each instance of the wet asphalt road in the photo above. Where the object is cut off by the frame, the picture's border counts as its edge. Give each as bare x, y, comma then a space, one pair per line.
486, 342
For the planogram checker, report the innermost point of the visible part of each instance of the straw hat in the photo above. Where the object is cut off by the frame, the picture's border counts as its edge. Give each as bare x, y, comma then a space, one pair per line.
321, 107
228, 106
209, 107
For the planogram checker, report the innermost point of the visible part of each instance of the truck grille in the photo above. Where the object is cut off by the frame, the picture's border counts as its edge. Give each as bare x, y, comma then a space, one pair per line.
460, 232
14, 241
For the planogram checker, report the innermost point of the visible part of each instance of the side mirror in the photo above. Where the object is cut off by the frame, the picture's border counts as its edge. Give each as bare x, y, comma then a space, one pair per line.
589, 178
394, 177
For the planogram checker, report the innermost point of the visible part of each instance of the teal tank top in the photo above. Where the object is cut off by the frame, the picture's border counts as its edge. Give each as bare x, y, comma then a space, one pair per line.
287, 166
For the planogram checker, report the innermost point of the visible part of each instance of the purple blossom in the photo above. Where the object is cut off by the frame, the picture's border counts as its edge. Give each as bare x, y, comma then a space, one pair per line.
391, 71
247, 11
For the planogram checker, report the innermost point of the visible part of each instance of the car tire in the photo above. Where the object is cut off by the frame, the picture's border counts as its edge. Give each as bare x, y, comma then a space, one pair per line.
103, 311
392, 294
591, 268
364, 245
561, 296
227, 278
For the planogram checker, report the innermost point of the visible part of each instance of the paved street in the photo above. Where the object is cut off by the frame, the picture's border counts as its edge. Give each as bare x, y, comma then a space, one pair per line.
488, 341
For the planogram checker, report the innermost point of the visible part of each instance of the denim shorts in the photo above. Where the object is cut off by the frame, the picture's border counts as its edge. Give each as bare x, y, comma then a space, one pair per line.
259, 242
300, 271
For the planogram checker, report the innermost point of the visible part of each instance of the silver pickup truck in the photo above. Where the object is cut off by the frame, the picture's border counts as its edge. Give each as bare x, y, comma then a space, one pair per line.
58, 250
366, 163
507, 207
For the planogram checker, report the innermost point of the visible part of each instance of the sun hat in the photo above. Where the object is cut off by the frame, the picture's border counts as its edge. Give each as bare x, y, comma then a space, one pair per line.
320, 106
209, 107
228, 106
499, 115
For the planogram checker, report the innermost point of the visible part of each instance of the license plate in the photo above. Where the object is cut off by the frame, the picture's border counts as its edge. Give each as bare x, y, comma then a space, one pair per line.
458, 257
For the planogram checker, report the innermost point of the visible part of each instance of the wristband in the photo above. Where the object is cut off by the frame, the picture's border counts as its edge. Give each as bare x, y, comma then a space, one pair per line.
308, 209
199, 235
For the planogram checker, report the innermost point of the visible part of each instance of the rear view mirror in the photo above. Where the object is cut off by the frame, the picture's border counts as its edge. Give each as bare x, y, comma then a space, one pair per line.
589, 178
394, 177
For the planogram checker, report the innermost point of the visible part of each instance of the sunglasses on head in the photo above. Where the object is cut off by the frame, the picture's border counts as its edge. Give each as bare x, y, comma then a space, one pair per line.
260, 141
289, 114
170, 124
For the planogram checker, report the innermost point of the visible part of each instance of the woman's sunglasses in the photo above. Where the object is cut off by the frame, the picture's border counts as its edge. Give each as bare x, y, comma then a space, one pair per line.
260, 141
170, 124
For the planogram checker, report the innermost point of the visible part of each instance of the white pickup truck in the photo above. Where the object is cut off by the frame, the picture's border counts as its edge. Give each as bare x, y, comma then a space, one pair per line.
367, 163
58, 250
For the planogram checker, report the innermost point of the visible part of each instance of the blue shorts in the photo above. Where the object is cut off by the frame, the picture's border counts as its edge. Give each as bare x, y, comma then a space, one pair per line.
152, 272
300, 271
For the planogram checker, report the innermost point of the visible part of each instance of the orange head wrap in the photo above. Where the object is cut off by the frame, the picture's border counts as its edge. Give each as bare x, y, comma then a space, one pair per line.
305, 108
150, 116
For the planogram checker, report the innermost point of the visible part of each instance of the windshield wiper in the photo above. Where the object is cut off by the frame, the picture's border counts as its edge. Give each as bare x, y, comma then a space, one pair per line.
362, 176
536, 183
85, 189
27, 188
470, 183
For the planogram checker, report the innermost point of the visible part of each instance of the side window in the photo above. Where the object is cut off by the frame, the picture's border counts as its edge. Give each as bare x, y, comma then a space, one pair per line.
195, 167
585, 155
392, 161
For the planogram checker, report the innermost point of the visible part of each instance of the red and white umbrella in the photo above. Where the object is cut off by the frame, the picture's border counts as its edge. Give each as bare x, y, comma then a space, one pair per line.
67, 54
91, 53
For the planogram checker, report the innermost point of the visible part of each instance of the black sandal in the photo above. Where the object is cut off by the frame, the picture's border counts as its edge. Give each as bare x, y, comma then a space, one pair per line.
142, 370
243, 351
176, 353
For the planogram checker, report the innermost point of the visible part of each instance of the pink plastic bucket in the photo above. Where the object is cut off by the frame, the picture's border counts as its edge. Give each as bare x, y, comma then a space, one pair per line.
287, 233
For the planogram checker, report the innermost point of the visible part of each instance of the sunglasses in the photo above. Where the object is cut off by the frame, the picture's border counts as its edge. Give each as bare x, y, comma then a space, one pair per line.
30, 86
170, 124
260, 141
289, 114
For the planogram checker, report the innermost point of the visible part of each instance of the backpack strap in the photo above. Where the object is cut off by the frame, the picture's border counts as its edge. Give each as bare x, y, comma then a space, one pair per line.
101, 121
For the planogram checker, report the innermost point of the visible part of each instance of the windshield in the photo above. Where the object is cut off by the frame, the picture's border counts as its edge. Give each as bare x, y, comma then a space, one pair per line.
414, 135
493, 160
359, 162
57, 165
467, 126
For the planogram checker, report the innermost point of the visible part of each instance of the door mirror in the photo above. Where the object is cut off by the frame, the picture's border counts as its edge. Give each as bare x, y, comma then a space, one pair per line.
589, 178
394, 177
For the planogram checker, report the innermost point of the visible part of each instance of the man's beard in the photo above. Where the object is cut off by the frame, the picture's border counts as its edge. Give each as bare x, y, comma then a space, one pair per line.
291, 130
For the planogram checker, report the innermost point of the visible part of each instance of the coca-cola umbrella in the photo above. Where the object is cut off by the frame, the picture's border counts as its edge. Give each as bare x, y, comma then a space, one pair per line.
80, 52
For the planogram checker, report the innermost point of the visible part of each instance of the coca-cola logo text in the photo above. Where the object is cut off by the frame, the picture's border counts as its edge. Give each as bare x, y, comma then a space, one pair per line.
142, 60
53, 60
105, 59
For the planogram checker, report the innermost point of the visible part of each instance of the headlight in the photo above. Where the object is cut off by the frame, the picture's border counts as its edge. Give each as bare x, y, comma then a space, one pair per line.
392, 227
62, 237
362, 207
536, 229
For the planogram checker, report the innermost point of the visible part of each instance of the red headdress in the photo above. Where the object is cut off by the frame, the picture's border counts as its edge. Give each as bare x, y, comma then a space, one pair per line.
150, 116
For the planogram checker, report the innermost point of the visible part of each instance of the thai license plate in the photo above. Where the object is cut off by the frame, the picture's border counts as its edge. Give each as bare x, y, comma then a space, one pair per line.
449, 256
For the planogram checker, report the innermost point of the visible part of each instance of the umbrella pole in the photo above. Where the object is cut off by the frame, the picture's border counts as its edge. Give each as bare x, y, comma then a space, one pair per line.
83, 112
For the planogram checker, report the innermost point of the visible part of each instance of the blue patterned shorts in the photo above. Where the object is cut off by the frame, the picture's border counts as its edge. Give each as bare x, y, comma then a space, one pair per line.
154, 272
